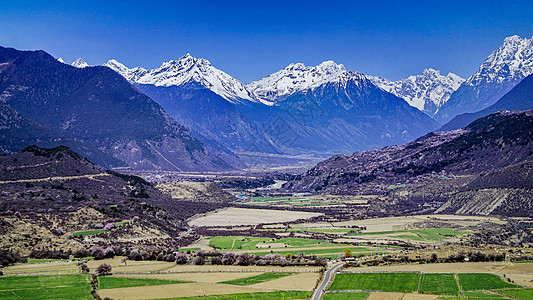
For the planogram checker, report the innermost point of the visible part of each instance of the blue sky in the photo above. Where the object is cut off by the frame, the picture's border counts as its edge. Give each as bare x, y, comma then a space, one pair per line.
251, 39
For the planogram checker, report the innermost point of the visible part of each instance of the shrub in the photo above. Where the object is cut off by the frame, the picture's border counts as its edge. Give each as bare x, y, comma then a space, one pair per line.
81, 253
245, 259
109, 252
109, 226
58, 231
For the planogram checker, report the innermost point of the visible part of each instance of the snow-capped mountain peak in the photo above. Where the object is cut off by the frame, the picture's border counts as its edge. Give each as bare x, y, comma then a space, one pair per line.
294, 78
514, 58
427, 91
131, 75
80, 63
184, 71
61, 60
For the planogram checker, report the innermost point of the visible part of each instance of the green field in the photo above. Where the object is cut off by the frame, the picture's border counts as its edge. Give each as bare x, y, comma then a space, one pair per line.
389, 282
480, 281
88, 232
46, 287
346, 296
278, 295
327, 251
518, 293
249, 243
482, 295
431, 234
258, 278
439, 284
325, 230
105, 282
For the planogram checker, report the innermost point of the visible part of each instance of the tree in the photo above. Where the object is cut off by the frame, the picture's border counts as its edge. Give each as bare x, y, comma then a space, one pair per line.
199, 260
84, 268
348, 252
181, 258
103, 269
216, 260
228, 258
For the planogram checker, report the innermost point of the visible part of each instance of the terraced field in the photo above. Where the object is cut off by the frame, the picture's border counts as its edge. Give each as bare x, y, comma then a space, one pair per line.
423, 235
46, 287
262, 246
439, 284
449, 286
389, 282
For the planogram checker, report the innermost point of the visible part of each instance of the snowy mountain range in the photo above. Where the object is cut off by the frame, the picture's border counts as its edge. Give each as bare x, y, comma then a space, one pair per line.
427, 91
513, 59
502, 70
185, 71
294, 78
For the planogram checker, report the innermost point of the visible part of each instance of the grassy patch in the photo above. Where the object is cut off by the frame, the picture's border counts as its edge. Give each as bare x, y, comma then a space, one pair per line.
518, 293
278, 295
188, 249
482, 295
46, 287
325, 252
249, 243
120, 282
481, 281
439, 284
431, 234
46, 260
389, 282
258, 278
346, 296
88, 232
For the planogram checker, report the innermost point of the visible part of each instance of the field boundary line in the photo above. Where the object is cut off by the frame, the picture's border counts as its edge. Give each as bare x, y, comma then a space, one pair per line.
456, 277
419, 281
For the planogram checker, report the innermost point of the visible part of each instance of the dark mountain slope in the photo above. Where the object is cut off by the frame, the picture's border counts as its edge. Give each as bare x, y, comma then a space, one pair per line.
349, 114
519, 98
210, 116
496, 141
97, 107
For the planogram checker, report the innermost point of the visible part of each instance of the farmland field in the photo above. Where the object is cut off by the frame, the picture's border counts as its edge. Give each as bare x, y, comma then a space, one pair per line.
247, 216
439, 284
346, 296
279, 295
46, 287
518, 293
105, 282
482, 295
257, 278
478, 281
390, 282
253, 243
426, 235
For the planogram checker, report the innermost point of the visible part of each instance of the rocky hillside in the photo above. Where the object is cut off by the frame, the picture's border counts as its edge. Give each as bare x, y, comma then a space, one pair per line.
97, 109
50, 194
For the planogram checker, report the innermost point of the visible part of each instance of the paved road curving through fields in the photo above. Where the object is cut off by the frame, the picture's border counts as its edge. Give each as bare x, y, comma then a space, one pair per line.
327, 277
